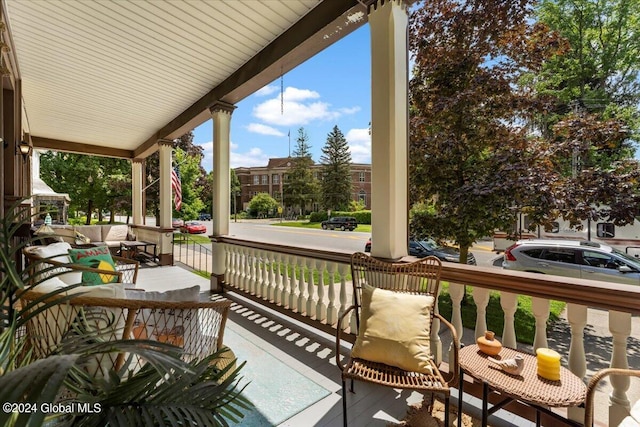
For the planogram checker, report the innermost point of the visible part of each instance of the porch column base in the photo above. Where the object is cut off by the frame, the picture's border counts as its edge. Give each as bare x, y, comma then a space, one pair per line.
217, 281
165, 259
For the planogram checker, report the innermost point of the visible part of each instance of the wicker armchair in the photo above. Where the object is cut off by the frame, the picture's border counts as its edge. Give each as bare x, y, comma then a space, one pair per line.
41, 268
197, 327
420, 279
633, 419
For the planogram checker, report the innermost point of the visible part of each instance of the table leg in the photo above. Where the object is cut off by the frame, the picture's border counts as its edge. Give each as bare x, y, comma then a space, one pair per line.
460, 393
537, 418
485, 403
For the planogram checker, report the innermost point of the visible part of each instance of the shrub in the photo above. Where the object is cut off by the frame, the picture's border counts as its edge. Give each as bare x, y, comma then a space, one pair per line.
318, 217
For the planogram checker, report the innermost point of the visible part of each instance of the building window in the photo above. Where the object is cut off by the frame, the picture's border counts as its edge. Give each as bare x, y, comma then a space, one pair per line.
265, 179
362, 197
286, 177
256, 179
315, 175
361, 176
275, 178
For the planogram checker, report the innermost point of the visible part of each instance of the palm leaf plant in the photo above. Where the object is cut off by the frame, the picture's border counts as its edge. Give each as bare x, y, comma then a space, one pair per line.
166, 391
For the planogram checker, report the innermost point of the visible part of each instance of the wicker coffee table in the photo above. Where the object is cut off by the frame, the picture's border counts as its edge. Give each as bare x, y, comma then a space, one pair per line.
527, 388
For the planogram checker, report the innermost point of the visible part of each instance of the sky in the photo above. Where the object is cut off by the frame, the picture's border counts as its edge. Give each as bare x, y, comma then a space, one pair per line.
332, 88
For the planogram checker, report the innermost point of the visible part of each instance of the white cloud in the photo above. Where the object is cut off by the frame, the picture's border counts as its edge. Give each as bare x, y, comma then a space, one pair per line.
207, 160
266, 90
359, 144
252, 157
351, 110
297, 107
264, 129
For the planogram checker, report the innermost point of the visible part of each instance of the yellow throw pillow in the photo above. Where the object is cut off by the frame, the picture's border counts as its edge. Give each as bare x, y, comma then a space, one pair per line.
395, 329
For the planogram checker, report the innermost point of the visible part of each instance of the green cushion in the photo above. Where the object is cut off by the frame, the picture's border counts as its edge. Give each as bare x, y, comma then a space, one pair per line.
98, 257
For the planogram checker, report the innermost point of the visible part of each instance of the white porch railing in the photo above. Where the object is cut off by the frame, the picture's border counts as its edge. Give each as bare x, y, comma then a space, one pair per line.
298, 282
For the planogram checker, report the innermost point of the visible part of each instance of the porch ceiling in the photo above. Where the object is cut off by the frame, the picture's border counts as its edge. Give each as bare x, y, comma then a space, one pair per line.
112, 77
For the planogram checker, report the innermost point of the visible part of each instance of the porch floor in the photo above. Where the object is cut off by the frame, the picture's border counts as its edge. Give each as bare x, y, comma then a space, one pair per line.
310, 355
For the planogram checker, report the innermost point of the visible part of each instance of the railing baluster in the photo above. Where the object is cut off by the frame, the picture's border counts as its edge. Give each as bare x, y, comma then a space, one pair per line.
509, 304
540, 308
577, 318
311, 288
436, 342
321, 306
277, 297
271, 278
286, 282
620, 327
342, 270
262, 276
294, 283
244, 265
331, 307
254, 272
301, 286
481, 298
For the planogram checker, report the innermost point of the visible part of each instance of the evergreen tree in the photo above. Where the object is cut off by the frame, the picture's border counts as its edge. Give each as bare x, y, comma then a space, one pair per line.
301, 188
336, 172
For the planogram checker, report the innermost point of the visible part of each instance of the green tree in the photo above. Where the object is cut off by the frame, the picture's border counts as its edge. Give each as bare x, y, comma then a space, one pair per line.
197, 180
336, 172
262, 204
93, 183
301, 187
190, 172
595, 119
471, 157
599, 72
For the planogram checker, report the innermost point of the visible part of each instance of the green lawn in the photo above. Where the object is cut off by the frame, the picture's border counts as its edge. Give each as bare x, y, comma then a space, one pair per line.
364, 228
524, 321
203, 239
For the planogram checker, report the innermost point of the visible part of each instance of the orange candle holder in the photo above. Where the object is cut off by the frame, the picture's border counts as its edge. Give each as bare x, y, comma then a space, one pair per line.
548, 364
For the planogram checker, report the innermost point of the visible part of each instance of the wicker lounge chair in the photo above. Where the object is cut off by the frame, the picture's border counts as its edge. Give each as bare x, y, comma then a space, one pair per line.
410, 284
195, 326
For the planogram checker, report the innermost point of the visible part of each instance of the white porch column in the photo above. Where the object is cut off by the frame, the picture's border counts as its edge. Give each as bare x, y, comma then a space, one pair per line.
136, 191
221, 114
388, 21
166, 148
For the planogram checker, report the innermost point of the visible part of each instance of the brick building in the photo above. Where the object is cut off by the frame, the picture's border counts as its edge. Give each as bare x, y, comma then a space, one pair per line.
272, 177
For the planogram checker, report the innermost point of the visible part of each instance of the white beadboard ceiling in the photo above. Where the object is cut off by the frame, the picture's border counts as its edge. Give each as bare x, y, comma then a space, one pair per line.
113, 73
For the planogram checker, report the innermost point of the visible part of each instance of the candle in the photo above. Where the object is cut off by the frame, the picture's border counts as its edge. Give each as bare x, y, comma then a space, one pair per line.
548, 364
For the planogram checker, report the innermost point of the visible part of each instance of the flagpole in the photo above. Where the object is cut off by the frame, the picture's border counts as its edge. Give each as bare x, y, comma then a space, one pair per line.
289, 135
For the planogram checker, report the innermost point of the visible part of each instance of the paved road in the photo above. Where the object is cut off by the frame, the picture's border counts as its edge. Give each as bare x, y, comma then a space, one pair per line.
330, 240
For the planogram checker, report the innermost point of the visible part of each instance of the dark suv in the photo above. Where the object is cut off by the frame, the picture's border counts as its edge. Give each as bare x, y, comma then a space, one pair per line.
341, 222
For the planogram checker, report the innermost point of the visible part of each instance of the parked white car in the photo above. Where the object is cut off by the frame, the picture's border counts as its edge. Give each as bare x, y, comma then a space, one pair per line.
573, 258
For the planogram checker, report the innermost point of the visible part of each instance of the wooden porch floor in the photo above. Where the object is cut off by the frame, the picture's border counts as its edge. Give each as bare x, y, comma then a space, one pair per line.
312, 354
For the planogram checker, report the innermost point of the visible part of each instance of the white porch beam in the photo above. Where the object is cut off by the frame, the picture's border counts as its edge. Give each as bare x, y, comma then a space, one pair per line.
389, 122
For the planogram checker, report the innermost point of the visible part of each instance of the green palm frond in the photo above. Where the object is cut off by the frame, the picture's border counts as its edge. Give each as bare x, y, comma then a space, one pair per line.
39, 382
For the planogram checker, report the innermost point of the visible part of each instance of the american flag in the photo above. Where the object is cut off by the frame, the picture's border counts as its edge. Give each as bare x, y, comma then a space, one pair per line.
177, 187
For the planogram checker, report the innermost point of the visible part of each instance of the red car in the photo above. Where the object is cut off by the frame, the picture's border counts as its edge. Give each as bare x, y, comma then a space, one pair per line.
193, 228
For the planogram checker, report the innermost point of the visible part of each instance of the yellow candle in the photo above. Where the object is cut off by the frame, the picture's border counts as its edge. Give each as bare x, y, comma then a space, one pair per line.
548, 364
546, 355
